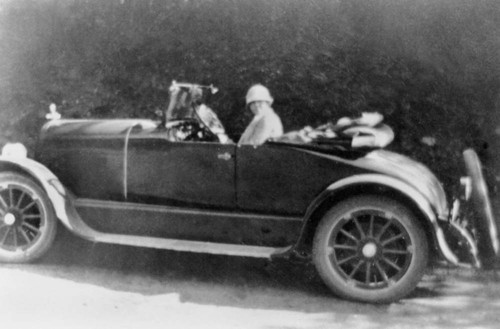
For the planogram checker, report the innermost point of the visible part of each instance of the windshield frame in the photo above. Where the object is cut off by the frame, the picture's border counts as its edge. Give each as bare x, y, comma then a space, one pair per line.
182, 102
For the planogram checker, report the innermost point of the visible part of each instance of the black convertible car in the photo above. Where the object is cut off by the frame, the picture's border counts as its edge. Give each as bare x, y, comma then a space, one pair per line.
371, 220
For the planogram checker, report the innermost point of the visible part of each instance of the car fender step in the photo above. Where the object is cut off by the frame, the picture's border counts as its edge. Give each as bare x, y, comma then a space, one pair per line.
191, 246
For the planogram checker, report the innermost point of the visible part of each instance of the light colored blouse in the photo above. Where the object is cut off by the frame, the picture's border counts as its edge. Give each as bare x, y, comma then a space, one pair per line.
264, 125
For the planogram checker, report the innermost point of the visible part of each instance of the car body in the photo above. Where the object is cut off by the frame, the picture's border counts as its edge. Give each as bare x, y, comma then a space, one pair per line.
368, 218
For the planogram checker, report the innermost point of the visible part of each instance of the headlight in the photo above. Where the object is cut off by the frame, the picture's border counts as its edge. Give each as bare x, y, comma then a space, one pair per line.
14, 150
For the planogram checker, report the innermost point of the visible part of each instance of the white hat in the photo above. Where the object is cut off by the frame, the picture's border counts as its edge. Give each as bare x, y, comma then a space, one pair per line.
258, 93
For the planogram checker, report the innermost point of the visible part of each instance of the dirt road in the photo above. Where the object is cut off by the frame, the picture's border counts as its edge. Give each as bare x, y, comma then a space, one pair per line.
81, 285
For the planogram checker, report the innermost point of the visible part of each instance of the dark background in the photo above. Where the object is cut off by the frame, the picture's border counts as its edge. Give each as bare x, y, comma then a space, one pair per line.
432, 67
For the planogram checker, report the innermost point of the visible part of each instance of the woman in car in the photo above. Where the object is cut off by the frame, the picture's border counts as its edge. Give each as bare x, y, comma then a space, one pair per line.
265, 123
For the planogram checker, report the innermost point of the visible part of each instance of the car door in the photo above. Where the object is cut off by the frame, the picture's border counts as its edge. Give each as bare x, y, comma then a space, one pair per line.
191, 174
282, 179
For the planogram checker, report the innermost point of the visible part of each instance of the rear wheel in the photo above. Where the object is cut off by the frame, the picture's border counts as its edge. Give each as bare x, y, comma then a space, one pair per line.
370, 249
27, 220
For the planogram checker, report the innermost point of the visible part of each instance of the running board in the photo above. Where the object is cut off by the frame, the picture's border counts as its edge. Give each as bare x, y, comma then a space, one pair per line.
191, 246
76, 225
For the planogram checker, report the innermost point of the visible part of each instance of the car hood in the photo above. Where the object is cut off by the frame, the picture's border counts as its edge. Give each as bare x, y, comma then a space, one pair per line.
410, 171
82, 127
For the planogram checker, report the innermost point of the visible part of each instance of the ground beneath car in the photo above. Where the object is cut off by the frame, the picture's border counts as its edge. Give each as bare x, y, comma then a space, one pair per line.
82, 285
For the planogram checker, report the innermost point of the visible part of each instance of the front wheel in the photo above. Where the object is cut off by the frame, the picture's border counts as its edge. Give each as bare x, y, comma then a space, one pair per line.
27, 220
370, 249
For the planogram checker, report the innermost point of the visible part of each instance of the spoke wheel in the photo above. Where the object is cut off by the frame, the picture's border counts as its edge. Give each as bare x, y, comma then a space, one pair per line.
27, 221
370, 249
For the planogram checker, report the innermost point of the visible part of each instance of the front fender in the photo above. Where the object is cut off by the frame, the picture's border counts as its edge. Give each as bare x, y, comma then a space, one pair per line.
60, 198
396, 185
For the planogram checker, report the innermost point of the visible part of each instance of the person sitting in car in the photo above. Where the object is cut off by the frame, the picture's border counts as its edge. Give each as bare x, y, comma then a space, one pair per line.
265, 123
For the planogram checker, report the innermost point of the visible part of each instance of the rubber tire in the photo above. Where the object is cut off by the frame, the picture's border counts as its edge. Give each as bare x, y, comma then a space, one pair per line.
48, 231
485, 225
397, 211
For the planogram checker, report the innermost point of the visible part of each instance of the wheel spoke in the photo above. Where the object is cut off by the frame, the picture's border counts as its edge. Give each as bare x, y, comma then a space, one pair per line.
345, 260
395, 251
24, 235
382, 272
349, 235
370, 230
21, 197
391, 263
31, 216
384, 228
15, 237
344, 247
3, 204
368, 272
4, 237
392, 239
355, 269
28, 206
31, 227
360, 229
11, 196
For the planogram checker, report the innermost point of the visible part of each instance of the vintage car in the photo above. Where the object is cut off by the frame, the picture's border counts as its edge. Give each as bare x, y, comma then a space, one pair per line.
369, 219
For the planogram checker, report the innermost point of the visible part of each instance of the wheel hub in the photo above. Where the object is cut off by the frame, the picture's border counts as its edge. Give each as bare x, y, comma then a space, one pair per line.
369, 250
9, 219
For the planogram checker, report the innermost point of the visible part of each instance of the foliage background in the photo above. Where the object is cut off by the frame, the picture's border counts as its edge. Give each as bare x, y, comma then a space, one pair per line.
432, 67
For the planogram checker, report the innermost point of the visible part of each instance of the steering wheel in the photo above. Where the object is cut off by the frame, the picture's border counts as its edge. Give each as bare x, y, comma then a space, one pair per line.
189, 130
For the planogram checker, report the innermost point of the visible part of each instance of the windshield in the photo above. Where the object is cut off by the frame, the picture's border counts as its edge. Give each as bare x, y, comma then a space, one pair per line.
182, 102
186, 105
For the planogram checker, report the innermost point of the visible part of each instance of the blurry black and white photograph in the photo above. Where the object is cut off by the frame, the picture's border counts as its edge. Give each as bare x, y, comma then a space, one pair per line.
249, 164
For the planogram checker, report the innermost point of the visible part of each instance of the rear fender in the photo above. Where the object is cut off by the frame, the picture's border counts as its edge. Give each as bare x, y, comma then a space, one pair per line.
396, 185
